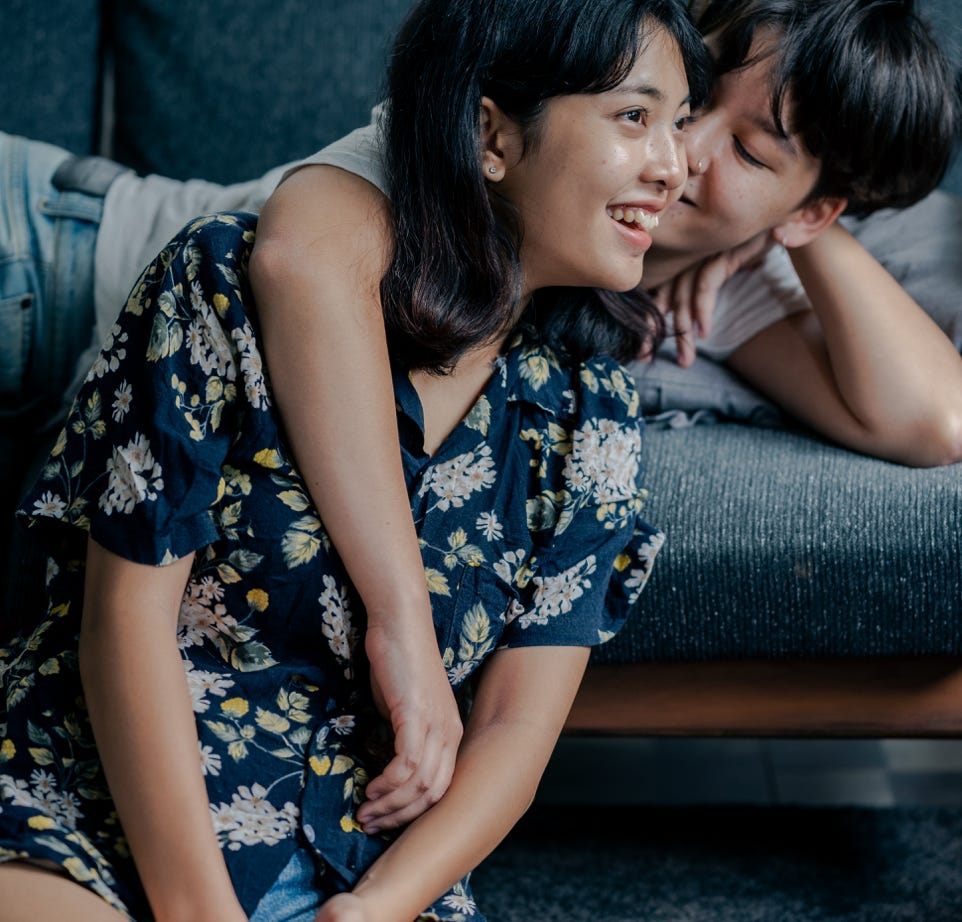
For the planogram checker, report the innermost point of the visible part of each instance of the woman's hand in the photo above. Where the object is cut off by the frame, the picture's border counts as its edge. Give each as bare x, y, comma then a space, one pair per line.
691, 296
412, 691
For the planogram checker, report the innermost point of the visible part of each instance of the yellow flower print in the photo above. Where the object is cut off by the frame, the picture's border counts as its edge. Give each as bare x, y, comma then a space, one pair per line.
78, 870
41, 822
236, 707
258, 599
7, 750
269, 458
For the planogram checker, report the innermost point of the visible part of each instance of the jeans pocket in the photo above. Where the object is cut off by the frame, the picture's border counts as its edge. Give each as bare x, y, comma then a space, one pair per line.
15, 325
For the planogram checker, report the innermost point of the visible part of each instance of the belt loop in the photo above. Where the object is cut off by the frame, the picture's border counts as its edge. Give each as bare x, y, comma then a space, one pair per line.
91, 175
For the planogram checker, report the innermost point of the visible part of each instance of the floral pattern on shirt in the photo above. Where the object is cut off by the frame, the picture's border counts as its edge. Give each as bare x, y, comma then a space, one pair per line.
528, 518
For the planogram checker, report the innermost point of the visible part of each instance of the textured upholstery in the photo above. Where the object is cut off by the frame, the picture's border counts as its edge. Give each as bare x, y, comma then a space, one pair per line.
226, 90
780, 545
50, 71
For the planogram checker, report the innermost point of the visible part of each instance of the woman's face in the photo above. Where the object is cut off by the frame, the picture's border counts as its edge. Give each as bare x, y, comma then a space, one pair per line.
601, 170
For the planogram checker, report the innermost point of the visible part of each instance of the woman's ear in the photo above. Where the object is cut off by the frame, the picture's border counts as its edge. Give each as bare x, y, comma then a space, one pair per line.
805, 223
500, 141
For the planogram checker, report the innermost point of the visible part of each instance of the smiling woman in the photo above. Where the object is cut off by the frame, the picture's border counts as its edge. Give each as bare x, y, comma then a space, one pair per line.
306, 693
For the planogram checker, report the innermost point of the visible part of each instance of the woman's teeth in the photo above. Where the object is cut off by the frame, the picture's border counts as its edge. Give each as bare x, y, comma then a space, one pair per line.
634, 216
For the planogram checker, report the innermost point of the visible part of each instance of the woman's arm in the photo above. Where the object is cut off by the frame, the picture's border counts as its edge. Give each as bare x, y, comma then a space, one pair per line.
522, 700
322, 245
140, 710
867, 367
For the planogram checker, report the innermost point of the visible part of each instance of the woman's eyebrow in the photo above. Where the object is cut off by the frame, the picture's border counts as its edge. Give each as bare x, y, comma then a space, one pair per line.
640, 89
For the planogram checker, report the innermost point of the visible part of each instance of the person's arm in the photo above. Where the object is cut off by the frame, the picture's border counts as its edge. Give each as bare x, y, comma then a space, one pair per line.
322, 245
867, 367
143, 722
522, 700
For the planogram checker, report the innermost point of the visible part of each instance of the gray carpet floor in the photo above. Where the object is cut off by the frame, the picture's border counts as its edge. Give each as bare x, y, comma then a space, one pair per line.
726, 864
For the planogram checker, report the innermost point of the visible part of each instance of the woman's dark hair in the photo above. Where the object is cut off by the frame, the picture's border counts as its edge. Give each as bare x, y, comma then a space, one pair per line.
870, 91
455, 281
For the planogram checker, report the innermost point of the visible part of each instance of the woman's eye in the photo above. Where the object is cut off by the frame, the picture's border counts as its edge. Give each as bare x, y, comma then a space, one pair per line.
682, 123
742, 152
637, 116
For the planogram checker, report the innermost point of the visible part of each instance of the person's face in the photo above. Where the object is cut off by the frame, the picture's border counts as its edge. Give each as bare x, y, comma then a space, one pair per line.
744, 177
599, 171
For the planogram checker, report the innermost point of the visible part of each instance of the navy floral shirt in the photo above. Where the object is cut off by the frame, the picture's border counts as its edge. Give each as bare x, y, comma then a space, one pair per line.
528, 517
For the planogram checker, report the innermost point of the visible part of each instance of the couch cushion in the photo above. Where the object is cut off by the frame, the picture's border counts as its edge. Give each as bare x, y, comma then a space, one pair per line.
49, 71
780, 545
226, 90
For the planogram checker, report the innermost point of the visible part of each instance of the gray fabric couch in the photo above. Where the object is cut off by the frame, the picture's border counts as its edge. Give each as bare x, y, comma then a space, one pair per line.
781, 547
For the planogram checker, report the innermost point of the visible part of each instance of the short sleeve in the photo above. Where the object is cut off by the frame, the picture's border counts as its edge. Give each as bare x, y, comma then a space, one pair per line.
138, 464
595, 550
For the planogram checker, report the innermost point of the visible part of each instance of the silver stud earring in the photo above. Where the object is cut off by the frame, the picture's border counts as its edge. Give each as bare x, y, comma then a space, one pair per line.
700, 162
492, 169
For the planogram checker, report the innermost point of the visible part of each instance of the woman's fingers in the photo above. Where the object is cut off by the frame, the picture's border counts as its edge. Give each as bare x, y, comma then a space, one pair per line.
407, 788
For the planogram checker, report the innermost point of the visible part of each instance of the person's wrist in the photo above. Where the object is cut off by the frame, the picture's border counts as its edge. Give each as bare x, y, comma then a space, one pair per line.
408, 604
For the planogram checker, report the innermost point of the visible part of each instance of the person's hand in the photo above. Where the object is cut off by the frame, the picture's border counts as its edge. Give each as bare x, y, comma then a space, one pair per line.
692, 295
412, 691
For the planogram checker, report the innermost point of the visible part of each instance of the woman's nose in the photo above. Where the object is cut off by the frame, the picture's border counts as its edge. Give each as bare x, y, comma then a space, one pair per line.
667, 164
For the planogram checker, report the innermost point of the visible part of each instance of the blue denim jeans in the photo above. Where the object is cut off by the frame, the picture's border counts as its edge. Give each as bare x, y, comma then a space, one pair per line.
47, 242
295, 896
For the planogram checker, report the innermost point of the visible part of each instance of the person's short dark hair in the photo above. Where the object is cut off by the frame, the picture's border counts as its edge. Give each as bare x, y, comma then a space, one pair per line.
871, 92
454, 280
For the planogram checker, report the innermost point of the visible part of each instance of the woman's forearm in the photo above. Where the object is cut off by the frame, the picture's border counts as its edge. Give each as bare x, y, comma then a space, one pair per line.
506, 746
140, 710
322, 245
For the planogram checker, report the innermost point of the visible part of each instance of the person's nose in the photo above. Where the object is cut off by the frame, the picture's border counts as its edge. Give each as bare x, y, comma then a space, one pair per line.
666, 163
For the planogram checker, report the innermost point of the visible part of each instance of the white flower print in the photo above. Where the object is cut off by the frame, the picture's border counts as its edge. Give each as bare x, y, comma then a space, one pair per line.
343, 724
252, 367
43, 782
555, 595
199, 619
338, 627
250, 819
132, 477
44, 795
208, 345
111, 354
50, 505
454, 481
123, 398
604, 461
638, 576
202, 683
210, 763
460, 902
488, 524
